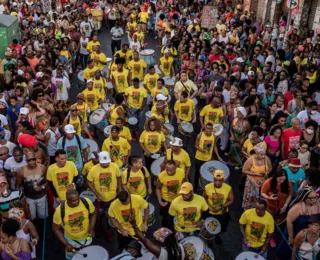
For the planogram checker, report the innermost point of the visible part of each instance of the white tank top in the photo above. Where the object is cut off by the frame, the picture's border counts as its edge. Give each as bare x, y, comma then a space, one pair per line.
20, 233
52, 143
306, 248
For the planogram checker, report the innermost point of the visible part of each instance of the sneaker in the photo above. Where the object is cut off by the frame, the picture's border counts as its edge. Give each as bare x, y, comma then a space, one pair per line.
218, 240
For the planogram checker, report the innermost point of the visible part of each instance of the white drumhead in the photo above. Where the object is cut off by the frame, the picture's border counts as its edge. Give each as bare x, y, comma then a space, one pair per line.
212, 225
187, 127
97, 116
156, 67
106, 106
169, 81
193, 246
80, 76
249, 256
169, 127
217, 129
93, 146
147, 52
151, 209
93, 252
89, 195
195, 101
209, 167
132, 121
107, 130
148, 114
109, 59
155, 166
109, 85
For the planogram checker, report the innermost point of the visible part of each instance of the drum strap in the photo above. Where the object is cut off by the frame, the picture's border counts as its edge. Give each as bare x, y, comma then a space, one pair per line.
80, 119
63, 208
122, 255
222, 208
189, 91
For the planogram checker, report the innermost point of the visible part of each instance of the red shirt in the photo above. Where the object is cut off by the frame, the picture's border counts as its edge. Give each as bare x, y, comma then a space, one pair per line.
287, 98
291, 140
230, 57
18, 47
214, 57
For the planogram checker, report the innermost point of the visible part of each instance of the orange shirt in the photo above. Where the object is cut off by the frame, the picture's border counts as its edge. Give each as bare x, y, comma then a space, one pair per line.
33, 62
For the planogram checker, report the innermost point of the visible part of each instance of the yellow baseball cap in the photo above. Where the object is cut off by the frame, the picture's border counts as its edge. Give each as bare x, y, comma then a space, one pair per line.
186, 188
219, 174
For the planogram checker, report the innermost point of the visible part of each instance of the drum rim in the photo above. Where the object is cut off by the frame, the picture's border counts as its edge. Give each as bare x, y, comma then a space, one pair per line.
206, 222
189, 239
95, 247
95, 112
143, 52
153, 163
250, 253
204, 169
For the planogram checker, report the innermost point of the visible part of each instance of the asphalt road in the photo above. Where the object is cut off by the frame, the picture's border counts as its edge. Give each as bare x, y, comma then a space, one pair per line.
231, 239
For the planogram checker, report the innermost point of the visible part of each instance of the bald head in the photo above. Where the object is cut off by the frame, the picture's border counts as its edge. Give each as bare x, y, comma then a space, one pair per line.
4, 150
295, 123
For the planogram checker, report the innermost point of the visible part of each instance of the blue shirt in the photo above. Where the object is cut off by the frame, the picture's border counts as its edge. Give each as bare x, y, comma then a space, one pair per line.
73, 150
13, 117
295, 178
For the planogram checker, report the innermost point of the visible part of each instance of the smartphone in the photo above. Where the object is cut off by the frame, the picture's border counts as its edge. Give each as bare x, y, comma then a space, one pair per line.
275, 196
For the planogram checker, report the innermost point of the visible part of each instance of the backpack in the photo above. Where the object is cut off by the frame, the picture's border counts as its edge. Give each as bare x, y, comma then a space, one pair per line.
63, 208
64, 142
143, 172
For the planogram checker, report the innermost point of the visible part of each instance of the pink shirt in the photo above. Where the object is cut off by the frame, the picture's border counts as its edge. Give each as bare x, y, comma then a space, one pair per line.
272, 145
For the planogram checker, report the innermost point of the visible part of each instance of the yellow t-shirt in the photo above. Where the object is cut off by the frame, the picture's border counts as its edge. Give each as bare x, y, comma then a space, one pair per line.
76, 124
211, 115
121, 80
100, 85
82, 111
182, 160
92, 97
112, 67
92, 44
155, 91
62, 177
87, 167
152, 140
113, 115
104, 180
187, 212
98, 58
122, 212
117, 149
76, 220
136, 96
197, 27
125, 133
128, 56
173, 50
166, 65
65, 53
131, 27
256, 227
184, 110
217, 196
171, 184
207, 143
89, 73
137, 182
136, 68
151, 81
249, 146
140, 37
143, 16
221, 27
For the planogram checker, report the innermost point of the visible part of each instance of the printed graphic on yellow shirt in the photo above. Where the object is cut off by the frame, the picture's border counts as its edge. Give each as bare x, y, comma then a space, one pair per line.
173, 186
59, 85
91, 74
166, 65
62, 180
185, 110
217, 199
152, 82
177, 163
136, 68
98, 86
105, 180
75, 221
114, 152
212, 116
121, 80
256, 231
76, 126
189, 214
126, 214
134, 182
81, 112
153, 141
207, 144
73, 153
90, 98
135, 97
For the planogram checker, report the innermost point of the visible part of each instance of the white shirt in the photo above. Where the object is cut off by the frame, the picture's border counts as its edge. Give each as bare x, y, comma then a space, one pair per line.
226, 95
10, 146
86, 27
116, 32
135, 46
13, 167
304, 117
272, 59
62, 84
2, 9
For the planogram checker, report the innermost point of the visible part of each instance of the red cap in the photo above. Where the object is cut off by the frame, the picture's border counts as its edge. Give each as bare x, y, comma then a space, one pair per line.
27, 141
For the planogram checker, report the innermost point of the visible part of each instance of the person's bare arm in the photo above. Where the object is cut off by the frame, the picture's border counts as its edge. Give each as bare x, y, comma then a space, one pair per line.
59, 234
93, 219
230, 199
293, 214
92, 188
149, 185
19, 178
296, 244
282, 150
119, 186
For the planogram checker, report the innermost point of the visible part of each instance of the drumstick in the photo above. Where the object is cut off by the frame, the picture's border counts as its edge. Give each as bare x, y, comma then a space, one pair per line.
147, 198
83, 254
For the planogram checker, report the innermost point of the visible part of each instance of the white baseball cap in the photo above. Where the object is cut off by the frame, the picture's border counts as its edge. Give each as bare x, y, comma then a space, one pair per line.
176, 142
69, 129
24, 111
89, 81
39, 74
251, 73
104, 157
161, 97
240, 59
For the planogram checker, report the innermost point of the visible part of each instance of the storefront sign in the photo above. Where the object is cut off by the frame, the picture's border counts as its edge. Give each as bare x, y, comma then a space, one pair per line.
209, 17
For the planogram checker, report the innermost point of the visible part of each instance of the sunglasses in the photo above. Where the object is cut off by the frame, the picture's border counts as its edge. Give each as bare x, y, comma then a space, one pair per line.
74, 110
31, 159
2, 154
40, 95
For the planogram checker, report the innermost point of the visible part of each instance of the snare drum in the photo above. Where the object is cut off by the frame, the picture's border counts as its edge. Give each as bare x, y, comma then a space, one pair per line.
148, 115
210, 228
92, 252
92, 146
217, 129
89, 195
169, 127
249, 256
208, 168
106, 106
99, 119
155, 167
196, 249
185, 128
152, 215
148, 56
169, 82
81, 84
107, 131
132, 123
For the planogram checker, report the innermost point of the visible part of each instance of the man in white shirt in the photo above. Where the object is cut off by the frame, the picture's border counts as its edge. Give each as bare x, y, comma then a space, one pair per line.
271, 58
86, 26
116, 34
310, 113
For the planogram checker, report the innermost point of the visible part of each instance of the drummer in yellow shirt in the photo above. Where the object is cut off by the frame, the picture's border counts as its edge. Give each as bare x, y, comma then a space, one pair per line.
212, 113
219, 196
89, 71
124, 131
82, 106
205, 146
168, 184
92, 96
99, 83
119, 213
91, 47
125, 53
169, 47
166, 64
94, 160
150, 79
118, 147
99, 58
120, 77
180, 156
160, 109
143, 17
188, 209
159, 89
184, 109
137, 67
136, 178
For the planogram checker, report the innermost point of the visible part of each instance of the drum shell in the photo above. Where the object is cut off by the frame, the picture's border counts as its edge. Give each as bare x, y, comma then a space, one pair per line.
132, 123
207, 178
205, 234
148, 58
152, 215
80, 80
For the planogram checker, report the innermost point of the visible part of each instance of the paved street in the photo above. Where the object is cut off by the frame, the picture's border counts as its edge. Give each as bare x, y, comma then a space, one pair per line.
232, 238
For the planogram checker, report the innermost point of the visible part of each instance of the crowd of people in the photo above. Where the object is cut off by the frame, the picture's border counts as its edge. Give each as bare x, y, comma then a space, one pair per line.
89, 138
